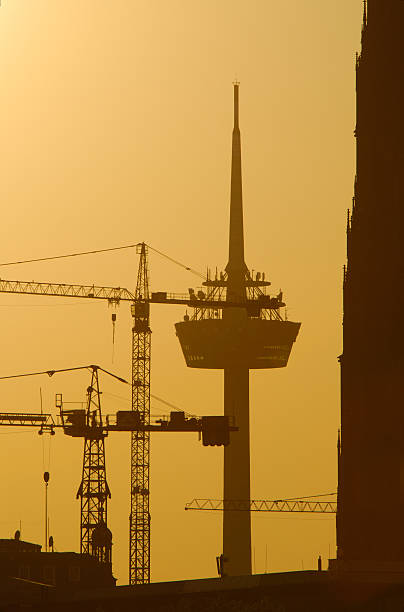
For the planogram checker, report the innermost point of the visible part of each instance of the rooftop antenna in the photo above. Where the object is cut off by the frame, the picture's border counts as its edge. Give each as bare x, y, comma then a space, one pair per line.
113, 334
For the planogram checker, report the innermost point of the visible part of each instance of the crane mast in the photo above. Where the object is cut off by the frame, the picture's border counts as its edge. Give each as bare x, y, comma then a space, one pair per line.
139, 519
94, 490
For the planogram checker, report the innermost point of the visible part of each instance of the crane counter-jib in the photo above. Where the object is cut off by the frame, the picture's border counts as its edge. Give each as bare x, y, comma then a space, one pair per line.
75, 424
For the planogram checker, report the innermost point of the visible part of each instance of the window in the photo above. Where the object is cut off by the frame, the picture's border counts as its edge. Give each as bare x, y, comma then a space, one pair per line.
49, 574
24, 571
74, 573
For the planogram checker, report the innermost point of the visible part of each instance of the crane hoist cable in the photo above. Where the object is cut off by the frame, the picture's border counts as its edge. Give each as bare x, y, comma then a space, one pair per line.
23, 261
52, 372
308, 496
178, 263
96, 251
113, 318
159, 399
46, 442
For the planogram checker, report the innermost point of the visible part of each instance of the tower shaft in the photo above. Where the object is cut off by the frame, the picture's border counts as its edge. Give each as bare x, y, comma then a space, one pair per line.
237, 525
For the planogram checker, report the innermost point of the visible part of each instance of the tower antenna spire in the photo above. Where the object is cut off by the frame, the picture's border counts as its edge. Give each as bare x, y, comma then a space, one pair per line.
236, 84
236, 268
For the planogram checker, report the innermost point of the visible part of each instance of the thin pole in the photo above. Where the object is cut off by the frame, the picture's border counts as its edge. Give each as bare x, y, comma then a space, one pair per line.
46, 481
46, 517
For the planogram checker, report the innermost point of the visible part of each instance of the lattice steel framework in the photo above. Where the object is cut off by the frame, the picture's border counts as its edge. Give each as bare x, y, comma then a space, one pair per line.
93, 491
264, 505
139, 520
112, 294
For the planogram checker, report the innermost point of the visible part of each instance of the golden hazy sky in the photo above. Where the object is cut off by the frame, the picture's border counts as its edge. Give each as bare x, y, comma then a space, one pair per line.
115, 121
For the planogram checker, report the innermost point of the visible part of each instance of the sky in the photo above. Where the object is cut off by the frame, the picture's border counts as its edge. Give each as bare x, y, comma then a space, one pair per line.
116, 122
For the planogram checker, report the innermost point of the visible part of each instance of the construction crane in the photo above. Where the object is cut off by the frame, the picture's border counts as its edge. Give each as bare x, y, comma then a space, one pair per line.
140, 300
304, 504
88, 423
93, 492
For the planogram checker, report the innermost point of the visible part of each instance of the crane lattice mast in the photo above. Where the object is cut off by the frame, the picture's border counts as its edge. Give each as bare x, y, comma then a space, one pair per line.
94, 490
139, 520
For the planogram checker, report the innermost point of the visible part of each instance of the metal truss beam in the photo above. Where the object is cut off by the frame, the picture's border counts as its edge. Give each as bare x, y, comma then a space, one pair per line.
113, 294
259, 505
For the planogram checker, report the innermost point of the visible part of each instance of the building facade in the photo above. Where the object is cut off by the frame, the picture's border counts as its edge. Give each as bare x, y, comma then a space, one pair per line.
25, 563
370, 525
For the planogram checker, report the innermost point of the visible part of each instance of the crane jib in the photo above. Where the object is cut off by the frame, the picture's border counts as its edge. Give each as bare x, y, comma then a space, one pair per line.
112, 294
121, 294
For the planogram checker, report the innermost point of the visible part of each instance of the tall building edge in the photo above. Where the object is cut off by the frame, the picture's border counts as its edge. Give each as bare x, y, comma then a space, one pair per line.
370, 525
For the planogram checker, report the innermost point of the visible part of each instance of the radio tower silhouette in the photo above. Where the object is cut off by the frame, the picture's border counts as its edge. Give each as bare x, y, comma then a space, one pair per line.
236, 339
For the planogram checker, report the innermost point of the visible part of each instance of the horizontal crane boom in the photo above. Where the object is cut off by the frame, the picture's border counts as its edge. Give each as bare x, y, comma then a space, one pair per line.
74, 424
45, 422
196, 301
115, 295
112, 294
259, 505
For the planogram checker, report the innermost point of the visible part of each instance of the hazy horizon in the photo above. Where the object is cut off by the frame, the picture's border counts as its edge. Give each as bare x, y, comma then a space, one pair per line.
116, 125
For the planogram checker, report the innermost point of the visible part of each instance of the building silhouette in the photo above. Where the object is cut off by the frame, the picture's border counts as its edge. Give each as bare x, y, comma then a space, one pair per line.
370, 521
23, 563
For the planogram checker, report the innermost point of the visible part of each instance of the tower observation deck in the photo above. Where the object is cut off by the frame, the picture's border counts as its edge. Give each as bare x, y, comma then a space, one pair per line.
235, 341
